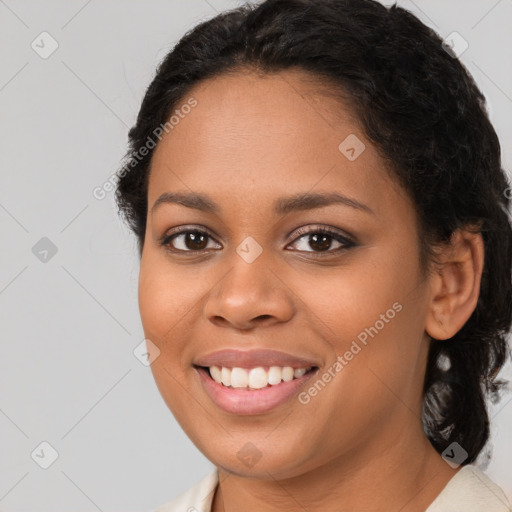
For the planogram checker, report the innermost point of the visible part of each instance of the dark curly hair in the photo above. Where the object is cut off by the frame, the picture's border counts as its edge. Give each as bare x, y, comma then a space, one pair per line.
426, 116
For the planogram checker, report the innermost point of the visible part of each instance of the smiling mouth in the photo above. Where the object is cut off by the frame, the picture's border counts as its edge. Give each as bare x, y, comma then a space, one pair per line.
252, 379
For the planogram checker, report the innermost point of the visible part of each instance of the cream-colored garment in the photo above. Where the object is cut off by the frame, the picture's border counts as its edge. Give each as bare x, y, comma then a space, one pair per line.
469, 490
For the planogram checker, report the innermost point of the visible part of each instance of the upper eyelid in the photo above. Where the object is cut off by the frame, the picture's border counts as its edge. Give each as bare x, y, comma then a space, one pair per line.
313, 228
187, 229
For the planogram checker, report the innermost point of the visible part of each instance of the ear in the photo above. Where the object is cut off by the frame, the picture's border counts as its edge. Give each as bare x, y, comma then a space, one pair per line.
455, 285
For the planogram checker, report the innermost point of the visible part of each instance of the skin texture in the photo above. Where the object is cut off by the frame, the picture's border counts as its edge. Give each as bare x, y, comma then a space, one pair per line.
358, 444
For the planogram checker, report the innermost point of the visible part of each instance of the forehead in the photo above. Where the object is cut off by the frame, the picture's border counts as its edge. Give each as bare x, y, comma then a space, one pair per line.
256, 135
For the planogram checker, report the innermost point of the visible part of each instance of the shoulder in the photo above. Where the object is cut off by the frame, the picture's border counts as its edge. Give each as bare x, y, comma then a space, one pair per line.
197, 498
470, 490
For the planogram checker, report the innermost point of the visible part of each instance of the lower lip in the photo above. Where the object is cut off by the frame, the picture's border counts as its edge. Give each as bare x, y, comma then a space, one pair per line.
251, 401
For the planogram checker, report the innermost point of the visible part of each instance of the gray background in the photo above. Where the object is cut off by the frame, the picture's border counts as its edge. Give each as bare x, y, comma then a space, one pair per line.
68, 375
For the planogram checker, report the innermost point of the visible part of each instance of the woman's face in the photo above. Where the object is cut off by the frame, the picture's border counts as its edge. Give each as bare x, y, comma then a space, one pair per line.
261, 276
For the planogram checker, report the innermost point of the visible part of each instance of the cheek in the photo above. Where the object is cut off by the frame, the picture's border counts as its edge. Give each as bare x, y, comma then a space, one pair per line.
364, 296
370, 314
163, 306
171, 298
166, 296
166, 304
157, 302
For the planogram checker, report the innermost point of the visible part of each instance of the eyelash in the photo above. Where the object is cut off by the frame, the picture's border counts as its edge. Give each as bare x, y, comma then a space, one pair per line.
166, 240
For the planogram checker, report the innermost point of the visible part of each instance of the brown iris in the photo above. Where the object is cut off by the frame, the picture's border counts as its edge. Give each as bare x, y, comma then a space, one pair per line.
324, 243
195, 240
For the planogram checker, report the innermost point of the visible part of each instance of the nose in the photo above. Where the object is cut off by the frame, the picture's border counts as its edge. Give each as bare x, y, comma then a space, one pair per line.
249, 295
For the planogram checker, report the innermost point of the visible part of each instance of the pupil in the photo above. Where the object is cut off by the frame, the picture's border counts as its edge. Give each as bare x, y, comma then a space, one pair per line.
324, 245
195, 239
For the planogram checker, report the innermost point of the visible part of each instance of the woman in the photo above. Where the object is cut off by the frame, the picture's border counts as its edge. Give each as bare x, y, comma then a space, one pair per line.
321, 214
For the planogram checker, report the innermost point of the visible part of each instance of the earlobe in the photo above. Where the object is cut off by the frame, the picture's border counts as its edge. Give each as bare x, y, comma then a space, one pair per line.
455, 285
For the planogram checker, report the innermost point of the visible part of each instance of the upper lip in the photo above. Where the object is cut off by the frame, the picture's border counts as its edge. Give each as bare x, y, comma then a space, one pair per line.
230, 358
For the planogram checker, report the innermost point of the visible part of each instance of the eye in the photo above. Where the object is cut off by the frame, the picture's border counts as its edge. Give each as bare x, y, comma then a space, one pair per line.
190, 240
187, 240
321, 239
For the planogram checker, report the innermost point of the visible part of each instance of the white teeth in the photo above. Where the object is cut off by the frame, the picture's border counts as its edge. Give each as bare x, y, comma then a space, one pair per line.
225, 376
275, 375
258, 378
255, 378
216, 374
287, 373
299, 372
239, 378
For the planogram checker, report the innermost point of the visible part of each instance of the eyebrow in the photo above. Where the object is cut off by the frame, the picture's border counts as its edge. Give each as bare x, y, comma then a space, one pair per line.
282, 206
